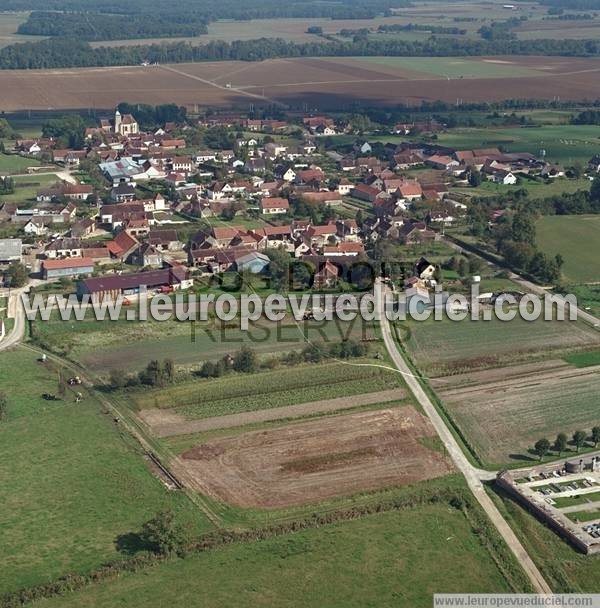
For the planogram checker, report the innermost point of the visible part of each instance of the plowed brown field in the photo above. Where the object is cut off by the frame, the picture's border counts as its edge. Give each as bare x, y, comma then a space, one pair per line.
308, 462
320, 82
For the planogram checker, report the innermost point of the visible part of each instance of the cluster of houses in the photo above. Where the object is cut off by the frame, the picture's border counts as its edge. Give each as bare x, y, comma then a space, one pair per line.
263, 177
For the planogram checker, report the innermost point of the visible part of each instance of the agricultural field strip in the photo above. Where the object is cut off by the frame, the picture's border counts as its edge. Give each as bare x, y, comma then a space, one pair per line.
309, 461
486, 376
168, 424
506, 418
520, 382
209, 398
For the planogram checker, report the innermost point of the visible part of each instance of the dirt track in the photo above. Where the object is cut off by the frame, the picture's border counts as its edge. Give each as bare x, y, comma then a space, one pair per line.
312, 461
165, 423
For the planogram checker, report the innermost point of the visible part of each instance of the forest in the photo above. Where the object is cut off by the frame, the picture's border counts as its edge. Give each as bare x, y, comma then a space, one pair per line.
212, 10
64, 53
98, 26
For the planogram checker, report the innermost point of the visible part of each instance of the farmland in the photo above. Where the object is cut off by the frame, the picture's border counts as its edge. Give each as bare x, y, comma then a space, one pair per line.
566, 144
308, 462
442, 347
275, 571
129, 346
505, 411
73, 483
576, 239
326, 82
535, 189
287, 386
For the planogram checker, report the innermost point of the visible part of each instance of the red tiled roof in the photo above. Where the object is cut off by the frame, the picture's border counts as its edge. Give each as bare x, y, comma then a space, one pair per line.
68, 263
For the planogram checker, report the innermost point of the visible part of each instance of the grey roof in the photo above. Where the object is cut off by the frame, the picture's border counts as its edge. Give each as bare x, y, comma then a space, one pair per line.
121, 168
10, 249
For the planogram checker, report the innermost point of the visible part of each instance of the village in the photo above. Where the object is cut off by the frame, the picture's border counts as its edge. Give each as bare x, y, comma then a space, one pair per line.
158, 203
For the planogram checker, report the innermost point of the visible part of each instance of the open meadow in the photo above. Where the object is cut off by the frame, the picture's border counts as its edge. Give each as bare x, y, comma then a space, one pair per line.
73, 483
565, 144
576, 239
129, 346
401, 556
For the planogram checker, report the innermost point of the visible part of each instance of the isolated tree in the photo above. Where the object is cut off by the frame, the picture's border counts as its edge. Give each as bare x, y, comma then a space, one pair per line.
596, 435
164, 535
595, 189
475, 178
475, 265
117, 378
463, 267
17, 274
541, 447
153, 374
245, 360
3, 406
579, 438
169, 371
560, 443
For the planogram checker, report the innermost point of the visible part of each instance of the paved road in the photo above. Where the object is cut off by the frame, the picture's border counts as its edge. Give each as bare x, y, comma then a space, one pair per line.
16, 311
473, 475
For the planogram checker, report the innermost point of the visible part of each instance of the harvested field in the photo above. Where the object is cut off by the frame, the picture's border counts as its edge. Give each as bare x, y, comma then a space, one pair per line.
507, 410
167, 424
445, 347
324, 82
312, 461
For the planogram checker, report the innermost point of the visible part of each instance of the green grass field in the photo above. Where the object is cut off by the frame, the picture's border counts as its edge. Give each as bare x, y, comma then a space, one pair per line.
453, 67
440, 347
564, 144
286, 386
27, 186
535, 189
391, 559
584, 359
72, 483
13, 163
102, 347
576, 239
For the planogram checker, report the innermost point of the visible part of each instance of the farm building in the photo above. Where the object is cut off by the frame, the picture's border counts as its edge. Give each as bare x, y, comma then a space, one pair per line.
253, 262
112, 286
70, 267
11, 250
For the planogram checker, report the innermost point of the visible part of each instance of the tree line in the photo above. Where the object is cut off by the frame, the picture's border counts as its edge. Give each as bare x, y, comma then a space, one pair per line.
98, 26
579, 440
65, 52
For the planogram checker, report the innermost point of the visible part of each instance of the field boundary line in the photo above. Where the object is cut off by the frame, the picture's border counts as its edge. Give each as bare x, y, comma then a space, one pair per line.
323, 406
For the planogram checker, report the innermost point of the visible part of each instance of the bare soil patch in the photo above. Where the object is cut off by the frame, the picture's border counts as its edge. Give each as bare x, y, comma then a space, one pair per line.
166, 423
308, 462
